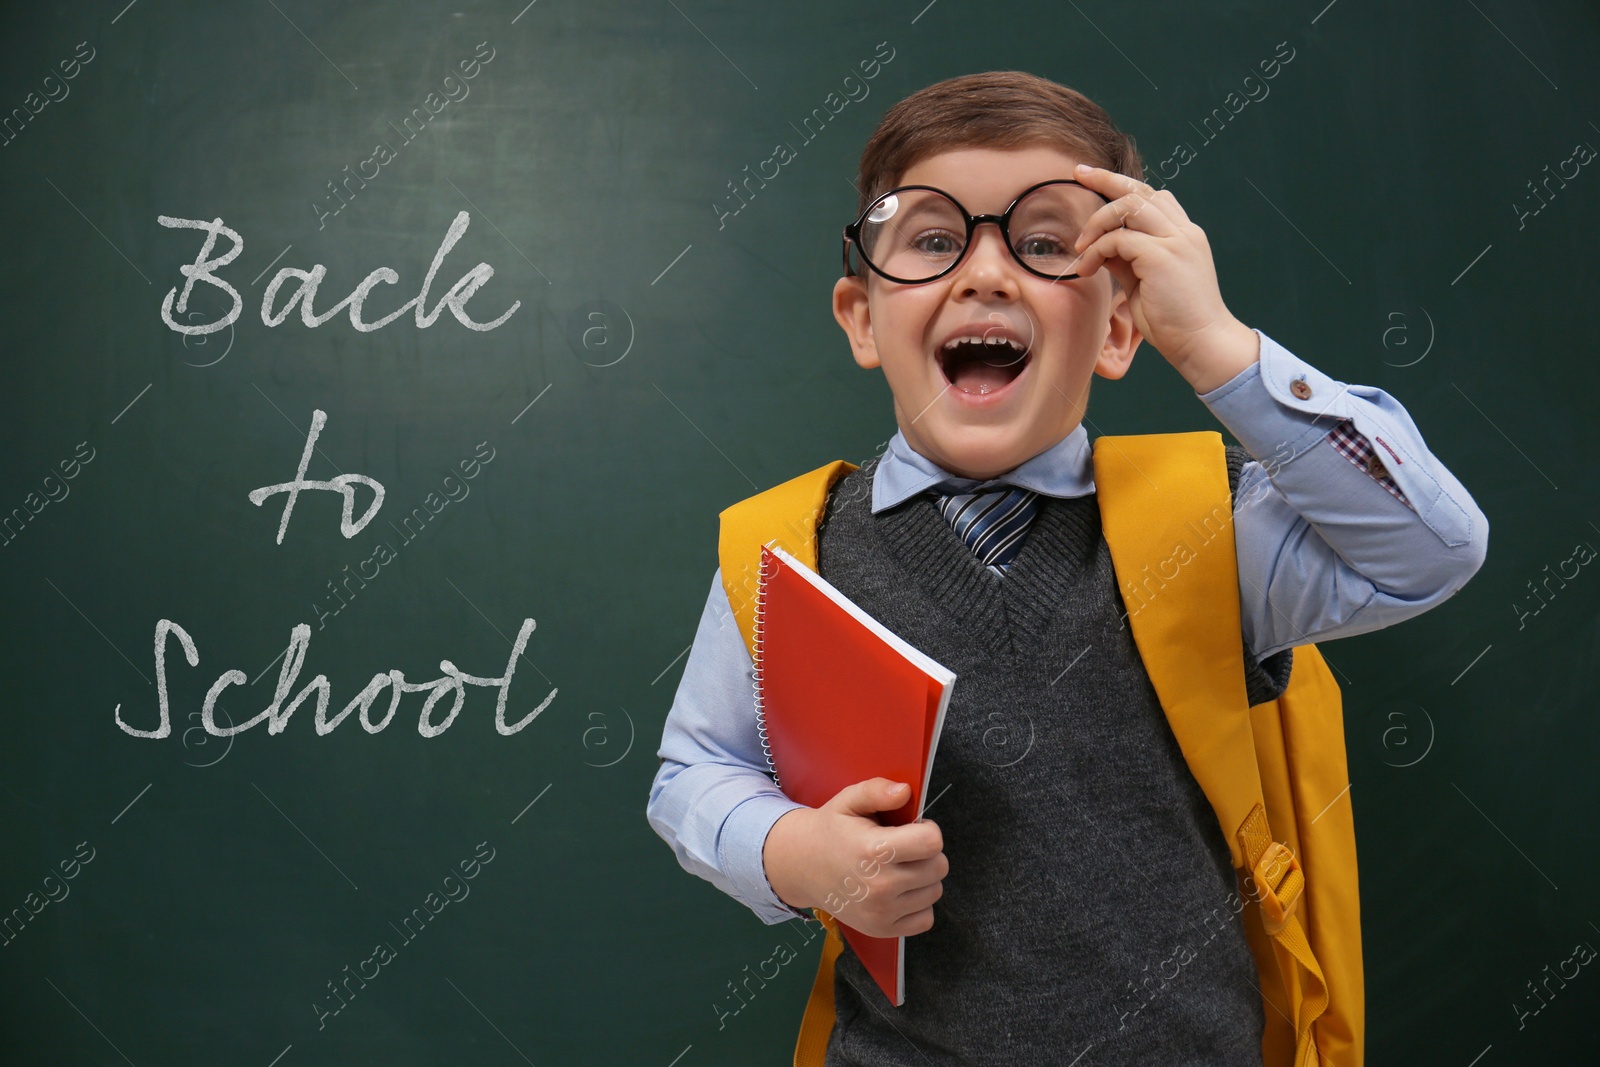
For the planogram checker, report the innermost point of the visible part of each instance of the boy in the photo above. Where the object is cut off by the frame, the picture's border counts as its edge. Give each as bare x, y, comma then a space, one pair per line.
976, 537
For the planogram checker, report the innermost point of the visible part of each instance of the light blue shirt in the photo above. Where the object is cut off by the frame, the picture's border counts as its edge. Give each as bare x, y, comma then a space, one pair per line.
1324, 550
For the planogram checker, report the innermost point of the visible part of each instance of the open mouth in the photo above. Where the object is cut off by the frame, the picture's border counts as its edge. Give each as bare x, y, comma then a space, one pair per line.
982, 365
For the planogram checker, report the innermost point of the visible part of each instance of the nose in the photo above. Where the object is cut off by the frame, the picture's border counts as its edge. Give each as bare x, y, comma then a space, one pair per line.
988, 270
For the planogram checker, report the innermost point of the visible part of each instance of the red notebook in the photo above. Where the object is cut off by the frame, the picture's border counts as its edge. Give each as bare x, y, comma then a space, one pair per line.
840, 699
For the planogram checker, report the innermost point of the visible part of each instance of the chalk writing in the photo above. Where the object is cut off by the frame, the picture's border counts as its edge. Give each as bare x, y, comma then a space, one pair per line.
344, 485
205, 267
277, 714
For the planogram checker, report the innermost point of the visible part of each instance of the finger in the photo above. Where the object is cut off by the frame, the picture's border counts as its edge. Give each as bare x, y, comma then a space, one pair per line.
915, 900
1171, 206
918, 922
869, 797
1115, 186
1135, 211
1110, 183
917, 874
1126, 245
914, 841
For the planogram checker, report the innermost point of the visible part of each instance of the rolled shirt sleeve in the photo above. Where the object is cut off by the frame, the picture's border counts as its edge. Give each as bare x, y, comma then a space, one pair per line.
1327, 547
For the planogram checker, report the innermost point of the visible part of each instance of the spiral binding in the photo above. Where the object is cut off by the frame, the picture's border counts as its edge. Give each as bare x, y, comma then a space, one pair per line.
759, 631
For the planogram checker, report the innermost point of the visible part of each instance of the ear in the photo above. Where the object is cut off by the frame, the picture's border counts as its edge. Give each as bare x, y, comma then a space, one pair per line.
1122, 339
854, 314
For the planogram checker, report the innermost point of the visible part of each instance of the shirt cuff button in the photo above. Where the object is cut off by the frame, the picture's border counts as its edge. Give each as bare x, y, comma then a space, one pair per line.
1300, 388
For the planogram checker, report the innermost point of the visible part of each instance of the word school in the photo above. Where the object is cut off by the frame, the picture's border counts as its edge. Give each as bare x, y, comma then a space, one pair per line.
205, 267
276, 714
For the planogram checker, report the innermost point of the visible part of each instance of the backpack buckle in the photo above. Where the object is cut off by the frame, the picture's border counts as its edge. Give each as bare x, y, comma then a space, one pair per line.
1280, 880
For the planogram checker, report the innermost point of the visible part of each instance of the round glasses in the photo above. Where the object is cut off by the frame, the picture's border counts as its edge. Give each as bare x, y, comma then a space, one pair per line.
917, 233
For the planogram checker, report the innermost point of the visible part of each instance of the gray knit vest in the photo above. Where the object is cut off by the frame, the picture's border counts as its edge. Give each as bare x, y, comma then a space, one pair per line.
1091, 909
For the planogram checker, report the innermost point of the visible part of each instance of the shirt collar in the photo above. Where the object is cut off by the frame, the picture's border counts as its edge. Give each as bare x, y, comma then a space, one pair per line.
1062, 470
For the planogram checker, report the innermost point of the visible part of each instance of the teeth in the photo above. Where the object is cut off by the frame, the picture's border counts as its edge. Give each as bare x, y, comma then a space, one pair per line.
1015, 345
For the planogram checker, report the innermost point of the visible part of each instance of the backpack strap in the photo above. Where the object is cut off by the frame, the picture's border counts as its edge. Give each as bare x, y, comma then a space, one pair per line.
816, 1025
1166, 511
787, 514
1305, 778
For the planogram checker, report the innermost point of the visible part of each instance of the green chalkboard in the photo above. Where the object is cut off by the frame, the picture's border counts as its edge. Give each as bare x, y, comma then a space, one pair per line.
1398, 205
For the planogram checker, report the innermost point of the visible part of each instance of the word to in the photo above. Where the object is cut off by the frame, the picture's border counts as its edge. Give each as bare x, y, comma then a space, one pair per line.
204, 269
33, 903
383, 153
276, 714
784, 153
55, 491
34, 103
344, 485
383, 954
1583, 553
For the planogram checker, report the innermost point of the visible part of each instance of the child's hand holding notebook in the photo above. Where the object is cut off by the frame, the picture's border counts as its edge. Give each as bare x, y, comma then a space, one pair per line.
841, 701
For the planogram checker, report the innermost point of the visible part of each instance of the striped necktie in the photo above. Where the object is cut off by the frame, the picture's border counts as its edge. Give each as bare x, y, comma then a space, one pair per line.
992, 522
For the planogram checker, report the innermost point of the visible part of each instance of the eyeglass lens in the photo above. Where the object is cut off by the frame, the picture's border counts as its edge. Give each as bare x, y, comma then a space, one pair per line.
914, 234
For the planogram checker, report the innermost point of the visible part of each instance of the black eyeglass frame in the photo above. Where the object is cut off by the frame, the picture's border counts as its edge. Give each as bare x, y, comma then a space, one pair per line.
1002, 221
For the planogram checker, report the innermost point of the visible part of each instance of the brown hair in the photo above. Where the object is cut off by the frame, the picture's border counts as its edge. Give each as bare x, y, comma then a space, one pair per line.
997, 109
993, 109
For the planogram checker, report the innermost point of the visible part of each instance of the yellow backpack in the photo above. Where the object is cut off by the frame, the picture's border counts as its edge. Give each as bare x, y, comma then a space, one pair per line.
1275, 768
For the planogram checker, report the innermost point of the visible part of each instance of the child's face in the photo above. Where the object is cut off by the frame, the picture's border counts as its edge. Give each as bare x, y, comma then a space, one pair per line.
990, 418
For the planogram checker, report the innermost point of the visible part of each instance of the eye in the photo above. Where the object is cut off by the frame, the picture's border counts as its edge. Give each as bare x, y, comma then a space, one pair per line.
1041, 245
937, 243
